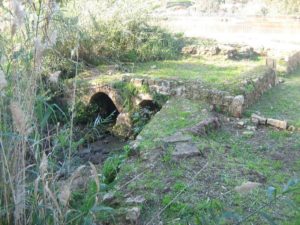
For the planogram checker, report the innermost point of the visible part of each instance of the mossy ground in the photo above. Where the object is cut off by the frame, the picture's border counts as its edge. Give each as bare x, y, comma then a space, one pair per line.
269, 156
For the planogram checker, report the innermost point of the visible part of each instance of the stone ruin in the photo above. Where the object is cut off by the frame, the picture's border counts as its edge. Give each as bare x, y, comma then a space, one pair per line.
250, 91
233, 52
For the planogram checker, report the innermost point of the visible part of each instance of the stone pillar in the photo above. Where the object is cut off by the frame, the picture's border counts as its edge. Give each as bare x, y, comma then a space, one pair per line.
237, 106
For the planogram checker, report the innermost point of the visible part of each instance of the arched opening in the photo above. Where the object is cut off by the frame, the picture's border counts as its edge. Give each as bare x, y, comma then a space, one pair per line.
149, 105
104, 107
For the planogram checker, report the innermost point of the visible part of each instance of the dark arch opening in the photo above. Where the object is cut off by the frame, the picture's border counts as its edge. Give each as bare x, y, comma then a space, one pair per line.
149, 105
103, 106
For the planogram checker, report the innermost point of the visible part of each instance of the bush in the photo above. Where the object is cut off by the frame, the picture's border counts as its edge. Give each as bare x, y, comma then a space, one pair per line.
111, 168
119, 38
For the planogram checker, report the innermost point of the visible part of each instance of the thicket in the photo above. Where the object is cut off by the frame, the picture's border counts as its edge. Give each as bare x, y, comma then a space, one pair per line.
110, 32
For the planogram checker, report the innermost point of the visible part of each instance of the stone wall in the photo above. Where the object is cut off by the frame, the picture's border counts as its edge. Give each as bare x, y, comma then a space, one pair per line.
251, 90
254, 88
293, 62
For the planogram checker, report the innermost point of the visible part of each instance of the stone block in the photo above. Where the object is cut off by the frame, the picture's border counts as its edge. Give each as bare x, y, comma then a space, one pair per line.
236, 107
277, 123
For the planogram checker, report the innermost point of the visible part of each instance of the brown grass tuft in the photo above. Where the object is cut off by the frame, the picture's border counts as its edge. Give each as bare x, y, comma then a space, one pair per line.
43, 166
20, 119
39, 51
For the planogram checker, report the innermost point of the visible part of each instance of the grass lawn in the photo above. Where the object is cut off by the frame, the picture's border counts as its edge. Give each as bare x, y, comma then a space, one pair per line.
215, 71
212, 71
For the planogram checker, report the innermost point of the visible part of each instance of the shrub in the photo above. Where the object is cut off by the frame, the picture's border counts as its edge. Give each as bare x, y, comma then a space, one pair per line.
110, 169
121, 37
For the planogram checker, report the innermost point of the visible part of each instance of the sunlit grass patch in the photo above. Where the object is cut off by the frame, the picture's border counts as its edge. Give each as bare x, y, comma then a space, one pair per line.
215, 71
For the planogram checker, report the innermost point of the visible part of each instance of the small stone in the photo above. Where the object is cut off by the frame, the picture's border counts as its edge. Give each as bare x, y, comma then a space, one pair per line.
139, 138
185, 150
134, 145
204, 111
251, 128
135, 200
153, 67
291, 128
205, 126
258, 119
247, 187
227, 119
108, 197
240, 124
133, 214
248, 133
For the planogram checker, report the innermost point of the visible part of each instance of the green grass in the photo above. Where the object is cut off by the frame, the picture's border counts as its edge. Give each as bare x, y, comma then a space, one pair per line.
211, 71
281, 102
215, 71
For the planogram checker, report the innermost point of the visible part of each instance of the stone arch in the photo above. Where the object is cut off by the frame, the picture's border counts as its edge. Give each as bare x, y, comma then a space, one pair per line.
111, 93
105, 107
107, 100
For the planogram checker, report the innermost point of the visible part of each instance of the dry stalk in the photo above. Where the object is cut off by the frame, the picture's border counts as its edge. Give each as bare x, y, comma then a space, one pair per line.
3, 82
20, 118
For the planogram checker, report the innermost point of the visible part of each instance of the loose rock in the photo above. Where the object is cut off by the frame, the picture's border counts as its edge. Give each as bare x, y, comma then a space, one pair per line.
248, 133
247, 187
291, 128
251, 128
133, 214
240, 124
205, 126
108, 197
258, 120
135, 200
185, 150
